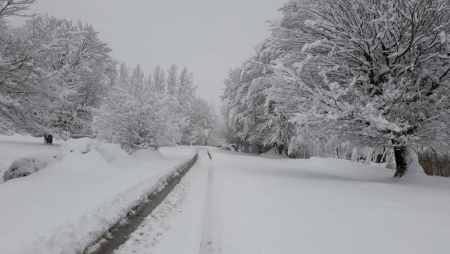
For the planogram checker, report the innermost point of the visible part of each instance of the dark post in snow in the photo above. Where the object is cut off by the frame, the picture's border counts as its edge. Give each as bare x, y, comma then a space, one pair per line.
400, 153
48, 139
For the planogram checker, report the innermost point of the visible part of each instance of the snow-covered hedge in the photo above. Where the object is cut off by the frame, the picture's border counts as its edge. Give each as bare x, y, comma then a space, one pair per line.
23, 167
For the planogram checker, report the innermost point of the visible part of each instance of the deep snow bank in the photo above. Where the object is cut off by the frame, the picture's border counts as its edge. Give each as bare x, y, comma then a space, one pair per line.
73, 201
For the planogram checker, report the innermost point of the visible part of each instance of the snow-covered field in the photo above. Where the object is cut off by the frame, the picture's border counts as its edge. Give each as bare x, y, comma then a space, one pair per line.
65, 206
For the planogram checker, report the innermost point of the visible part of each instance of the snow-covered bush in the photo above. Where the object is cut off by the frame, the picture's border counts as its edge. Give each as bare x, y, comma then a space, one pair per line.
109, 152
23, 167
81, 146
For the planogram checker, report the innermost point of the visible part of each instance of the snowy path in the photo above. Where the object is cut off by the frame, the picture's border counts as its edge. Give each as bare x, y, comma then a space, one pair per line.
324, 206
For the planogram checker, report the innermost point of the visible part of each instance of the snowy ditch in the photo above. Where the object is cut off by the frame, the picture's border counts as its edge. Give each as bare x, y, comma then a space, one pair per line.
119, 233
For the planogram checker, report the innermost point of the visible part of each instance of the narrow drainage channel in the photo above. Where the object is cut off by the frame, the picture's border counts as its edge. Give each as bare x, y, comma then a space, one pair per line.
119, 234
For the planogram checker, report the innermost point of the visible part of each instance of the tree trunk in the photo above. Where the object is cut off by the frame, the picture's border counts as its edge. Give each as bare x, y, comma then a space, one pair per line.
400, 153
280, 149
355, 154
246, 147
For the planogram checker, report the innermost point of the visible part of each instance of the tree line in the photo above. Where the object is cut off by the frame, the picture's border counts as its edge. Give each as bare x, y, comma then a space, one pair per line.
57, 77
334, 75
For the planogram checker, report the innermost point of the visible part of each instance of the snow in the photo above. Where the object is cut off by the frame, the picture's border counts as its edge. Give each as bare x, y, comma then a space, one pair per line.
175, 226
324, 206
70, 203
110, 152
249, 204
23, 167
144, 154
233, 203
16, 146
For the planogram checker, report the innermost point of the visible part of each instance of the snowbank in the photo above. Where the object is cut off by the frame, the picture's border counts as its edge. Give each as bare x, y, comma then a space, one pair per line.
179, 152
74, 200
148, 154
24, 167
110, 152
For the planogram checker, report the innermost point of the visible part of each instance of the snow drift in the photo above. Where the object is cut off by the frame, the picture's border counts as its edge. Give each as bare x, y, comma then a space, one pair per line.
23, 167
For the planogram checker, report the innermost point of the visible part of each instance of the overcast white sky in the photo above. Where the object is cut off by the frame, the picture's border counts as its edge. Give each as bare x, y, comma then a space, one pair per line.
207, 36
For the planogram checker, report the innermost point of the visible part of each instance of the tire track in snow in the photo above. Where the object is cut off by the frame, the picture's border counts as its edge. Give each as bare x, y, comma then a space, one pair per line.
150, 232
210, 235
175, 225
119, 234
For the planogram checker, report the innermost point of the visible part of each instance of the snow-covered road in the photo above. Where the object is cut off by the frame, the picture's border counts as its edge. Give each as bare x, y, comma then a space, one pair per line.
324, 206
239, 203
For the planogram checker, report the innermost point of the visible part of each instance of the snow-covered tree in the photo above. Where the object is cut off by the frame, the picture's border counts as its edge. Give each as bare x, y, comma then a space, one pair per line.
373, 73
53, 73
378, 70
186, 89
137, 114
10, 8
259, 118
159, 79
172, 80
202, 124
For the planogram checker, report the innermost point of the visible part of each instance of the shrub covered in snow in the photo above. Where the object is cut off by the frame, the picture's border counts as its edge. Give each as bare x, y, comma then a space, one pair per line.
82, 145
23, 167
110, 152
